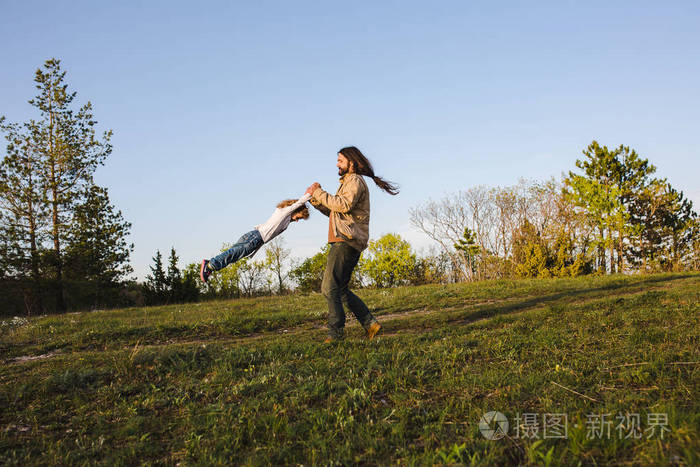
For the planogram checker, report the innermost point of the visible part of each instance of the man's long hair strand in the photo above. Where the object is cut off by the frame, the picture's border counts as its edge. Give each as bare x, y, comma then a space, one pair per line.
364, 167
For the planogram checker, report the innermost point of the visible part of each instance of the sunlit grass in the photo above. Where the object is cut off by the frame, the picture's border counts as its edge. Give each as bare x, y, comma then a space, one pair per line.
250, 382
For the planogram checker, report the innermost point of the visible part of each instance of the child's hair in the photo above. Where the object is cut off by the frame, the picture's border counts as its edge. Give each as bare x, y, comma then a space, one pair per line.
303, 210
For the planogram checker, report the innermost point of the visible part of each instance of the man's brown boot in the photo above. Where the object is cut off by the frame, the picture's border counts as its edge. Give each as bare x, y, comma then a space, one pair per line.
373, 330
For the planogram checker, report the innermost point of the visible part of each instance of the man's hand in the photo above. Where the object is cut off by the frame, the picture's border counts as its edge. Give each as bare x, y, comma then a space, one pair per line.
313, 187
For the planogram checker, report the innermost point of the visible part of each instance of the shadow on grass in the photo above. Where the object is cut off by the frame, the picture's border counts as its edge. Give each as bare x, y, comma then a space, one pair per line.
470, 315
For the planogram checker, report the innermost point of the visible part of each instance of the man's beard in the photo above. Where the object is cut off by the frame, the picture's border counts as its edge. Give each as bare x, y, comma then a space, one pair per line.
342, 171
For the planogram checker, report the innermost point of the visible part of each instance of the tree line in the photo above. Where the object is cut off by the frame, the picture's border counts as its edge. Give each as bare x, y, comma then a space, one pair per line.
389, 261
609, 216
63, 245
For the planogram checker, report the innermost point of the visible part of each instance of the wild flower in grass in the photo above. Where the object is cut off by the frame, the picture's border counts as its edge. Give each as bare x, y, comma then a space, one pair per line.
15, 322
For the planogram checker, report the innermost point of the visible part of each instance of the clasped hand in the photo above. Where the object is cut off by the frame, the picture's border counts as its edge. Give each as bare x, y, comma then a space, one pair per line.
313, 187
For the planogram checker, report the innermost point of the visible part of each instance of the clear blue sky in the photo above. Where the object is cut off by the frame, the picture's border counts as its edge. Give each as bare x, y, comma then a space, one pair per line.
221, 109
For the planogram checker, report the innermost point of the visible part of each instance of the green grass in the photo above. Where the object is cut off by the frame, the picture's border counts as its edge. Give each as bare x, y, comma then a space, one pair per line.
250, 382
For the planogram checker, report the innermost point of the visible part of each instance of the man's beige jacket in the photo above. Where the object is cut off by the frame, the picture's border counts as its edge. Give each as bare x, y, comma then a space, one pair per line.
348, 210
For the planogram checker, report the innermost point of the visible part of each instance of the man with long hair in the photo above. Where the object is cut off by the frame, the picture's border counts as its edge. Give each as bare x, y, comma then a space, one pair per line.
348, 234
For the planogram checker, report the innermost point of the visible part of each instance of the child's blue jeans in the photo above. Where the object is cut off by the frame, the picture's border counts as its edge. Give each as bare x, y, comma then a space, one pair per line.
245, 245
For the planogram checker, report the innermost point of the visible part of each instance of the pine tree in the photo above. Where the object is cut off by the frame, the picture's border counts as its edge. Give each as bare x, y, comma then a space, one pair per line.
51, 161
680, 229
646, 225
5, 248
665, 228
611, 181
632, 176
173, 280
24, 213
97, 253
156, 286
596, 192
677, 229
70, 153
469, 251
190, 283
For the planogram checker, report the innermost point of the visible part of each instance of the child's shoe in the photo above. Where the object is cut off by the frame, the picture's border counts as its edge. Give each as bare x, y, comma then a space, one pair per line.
205, 270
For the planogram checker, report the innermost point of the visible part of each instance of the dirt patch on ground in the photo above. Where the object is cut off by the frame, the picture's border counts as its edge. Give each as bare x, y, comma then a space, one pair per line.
29, 358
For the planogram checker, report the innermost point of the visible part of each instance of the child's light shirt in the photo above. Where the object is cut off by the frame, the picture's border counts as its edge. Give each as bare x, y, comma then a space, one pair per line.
279, 220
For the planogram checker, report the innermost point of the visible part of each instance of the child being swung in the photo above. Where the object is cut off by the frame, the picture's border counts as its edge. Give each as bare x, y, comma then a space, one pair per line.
287, 211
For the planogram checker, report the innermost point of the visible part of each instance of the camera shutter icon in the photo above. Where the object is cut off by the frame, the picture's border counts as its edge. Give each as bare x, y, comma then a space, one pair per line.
493, 425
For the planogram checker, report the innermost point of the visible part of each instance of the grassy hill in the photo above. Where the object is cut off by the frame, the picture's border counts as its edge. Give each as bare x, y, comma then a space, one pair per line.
250, 382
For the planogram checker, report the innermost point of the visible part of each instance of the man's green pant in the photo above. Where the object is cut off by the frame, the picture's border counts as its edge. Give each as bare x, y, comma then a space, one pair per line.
342, 259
